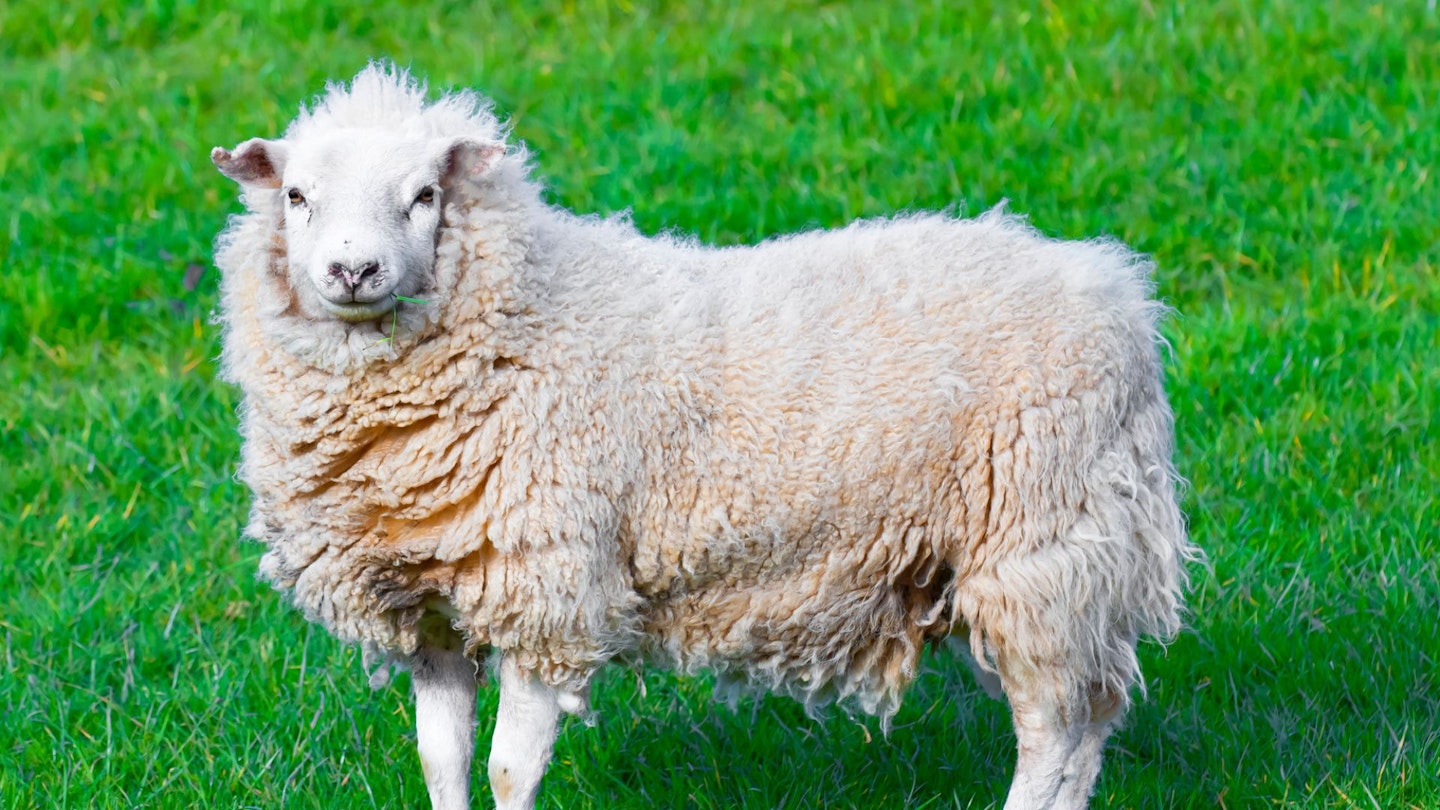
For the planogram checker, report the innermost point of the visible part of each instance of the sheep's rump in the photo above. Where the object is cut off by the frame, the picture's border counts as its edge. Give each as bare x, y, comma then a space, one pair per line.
794, 464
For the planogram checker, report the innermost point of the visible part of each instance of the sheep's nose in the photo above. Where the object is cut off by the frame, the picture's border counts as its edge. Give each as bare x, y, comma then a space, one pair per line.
352, 276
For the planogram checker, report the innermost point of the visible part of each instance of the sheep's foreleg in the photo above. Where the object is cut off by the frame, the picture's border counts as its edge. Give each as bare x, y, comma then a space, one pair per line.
525, 729
444, 682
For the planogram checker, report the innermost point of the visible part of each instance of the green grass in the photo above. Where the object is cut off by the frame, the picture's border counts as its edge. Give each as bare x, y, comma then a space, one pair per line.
1277, 159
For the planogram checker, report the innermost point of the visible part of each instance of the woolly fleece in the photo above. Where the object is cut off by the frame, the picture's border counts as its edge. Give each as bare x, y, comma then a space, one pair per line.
793, 464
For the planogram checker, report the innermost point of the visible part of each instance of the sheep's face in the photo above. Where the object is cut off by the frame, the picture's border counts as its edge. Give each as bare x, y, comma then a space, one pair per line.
361, 212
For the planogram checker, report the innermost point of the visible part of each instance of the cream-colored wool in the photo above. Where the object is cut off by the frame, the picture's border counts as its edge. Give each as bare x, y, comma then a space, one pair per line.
794, 464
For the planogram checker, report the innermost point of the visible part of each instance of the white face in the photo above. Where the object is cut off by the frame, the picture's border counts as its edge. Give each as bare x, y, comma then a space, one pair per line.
362, 211
361, 215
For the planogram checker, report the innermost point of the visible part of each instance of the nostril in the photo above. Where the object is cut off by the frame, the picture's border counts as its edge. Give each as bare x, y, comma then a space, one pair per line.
350, 276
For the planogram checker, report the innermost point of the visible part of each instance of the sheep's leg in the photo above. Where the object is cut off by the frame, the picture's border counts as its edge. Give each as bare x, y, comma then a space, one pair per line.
1045, 746
1061, 738
444, 682
1106, 709
525, 729
1083, 767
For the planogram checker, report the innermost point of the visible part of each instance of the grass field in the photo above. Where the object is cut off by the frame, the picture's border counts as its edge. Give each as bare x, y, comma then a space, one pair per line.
1278, 159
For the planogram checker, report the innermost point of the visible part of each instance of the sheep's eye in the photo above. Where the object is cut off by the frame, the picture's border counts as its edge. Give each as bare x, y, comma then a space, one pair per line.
295, 197
426, 196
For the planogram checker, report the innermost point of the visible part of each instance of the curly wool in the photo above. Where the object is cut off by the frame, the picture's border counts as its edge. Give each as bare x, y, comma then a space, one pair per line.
793, 464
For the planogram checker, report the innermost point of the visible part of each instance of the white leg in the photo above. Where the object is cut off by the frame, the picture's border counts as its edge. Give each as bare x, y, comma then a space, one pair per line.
1083, 767
1061, 740
525, 729
444, 682
1045, 746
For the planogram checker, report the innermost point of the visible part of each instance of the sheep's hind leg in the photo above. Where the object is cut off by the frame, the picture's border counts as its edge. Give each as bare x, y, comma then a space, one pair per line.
525, 729
1045, 744
1083, 766
1061, 739
444, 682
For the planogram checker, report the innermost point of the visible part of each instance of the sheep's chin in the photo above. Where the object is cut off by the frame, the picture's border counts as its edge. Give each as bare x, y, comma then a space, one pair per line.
359, 313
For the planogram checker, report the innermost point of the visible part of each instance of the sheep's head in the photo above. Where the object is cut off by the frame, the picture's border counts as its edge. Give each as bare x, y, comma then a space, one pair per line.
361, 209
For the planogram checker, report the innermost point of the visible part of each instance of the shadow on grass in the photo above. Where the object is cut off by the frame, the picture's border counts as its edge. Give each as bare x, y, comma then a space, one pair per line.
1279, 712
949, 746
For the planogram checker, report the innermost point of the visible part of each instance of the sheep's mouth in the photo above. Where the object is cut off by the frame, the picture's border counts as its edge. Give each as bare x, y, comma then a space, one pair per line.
357, 312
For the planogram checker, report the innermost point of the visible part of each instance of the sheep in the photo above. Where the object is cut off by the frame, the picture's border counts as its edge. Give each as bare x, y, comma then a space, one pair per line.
478, 427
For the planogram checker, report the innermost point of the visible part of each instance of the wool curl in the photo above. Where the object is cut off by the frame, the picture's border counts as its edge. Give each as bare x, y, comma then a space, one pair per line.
793, 464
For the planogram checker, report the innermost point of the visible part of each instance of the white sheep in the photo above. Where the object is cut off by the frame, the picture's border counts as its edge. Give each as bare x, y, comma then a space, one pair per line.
475, 422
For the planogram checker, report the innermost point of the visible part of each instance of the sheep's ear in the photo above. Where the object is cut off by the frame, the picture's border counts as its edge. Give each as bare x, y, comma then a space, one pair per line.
256, 162
468, 158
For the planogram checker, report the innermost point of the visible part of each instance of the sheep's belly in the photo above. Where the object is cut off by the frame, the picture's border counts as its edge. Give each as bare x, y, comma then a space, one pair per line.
817, 640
